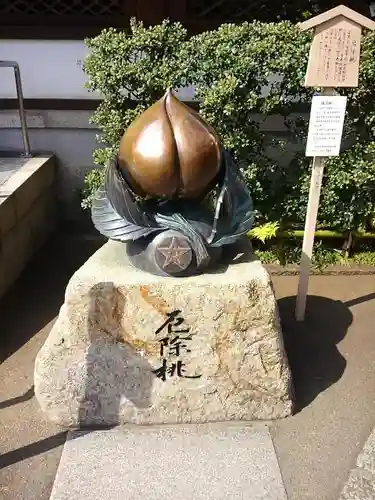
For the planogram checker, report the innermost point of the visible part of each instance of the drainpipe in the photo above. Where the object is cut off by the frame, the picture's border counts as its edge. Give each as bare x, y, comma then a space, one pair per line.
21, 109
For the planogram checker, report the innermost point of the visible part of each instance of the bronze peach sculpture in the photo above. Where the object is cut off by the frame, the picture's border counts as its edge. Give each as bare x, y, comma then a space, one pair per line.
170, 152
154, 193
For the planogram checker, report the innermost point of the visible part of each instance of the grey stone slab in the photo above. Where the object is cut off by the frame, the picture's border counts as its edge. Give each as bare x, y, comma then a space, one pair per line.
196, 462
360, 486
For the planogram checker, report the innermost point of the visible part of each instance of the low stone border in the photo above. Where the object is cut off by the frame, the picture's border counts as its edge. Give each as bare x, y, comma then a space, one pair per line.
27, 216
361, 482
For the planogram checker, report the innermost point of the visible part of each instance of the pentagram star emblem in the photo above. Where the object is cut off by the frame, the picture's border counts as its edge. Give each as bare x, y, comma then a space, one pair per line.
176, 254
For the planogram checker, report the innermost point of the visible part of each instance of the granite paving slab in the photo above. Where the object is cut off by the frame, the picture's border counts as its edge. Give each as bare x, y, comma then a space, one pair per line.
200, 462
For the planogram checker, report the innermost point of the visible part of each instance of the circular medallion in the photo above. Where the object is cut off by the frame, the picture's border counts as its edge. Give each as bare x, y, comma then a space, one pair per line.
172, 252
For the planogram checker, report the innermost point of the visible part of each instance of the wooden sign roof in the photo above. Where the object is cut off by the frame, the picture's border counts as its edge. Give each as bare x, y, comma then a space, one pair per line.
341, 10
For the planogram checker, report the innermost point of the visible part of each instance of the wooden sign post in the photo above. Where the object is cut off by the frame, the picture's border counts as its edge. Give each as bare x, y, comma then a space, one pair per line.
333, 62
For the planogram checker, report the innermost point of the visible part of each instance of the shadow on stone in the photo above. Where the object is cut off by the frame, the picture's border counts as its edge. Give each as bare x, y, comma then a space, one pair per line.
237, 253
116, 372
315, 361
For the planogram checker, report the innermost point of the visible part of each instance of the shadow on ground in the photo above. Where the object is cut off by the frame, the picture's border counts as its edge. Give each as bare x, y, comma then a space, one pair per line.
33, 449
311, 346
42, 283
19, 399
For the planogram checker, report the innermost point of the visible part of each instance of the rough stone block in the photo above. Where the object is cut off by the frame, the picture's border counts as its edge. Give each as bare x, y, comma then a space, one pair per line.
360, 486
133, 347
366, 459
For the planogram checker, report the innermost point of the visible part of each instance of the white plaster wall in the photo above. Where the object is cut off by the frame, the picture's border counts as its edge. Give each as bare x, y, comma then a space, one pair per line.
49, 69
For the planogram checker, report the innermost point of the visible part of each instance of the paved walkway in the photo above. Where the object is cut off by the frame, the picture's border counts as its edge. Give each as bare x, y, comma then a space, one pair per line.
331, 356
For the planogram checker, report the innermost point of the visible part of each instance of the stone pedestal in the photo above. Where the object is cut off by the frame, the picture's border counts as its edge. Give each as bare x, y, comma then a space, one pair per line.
131, 347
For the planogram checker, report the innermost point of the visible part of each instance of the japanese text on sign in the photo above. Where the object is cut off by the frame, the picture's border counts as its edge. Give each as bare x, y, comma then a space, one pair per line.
334, 56
326, 125
172, 346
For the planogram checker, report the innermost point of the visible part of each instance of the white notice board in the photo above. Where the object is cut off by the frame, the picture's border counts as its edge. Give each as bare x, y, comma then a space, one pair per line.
326, 125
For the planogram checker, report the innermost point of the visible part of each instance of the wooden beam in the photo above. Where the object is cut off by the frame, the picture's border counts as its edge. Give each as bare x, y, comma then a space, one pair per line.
48, 32
52, 104
67, 104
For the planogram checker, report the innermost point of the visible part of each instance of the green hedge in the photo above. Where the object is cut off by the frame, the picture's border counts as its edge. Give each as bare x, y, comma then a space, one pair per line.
230, 67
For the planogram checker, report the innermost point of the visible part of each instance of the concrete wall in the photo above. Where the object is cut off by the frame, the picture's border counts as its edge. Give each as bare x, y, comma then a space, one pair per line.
49, 69
66, 134
27, 216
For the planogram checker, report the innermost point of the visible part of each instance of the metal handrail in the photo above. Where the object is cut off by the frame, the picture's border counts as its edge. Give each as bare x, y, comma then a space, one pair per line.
21, 108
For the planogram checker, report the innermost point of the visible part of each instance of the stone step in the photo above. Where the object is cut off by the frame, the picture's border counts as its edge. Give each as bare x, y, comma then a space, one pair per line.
187, 462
